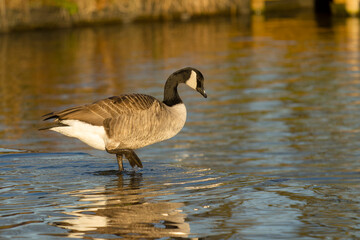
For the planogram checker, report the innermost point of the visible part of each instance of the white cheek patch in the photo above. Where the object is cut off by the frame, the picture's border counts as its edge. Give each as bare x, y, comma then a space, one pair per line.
191, 82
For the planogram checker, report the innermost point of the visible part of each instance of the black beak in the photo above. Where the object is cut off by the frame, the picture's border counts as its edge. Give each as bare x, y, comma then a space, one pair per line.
202, 92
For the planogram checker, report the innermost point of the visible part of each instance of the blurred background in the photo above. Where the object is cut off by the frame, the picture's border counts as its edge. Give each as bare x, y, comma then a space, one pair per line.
34, 14
272, 153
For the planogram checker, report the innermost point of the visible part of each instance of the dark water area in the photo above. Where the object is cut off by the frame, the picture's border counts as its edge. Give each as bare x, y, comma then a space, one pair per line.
272, 153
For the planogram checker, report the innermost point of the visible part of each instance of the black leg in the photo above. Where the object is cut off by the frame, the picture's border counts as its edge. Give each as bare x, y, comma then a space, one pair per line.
131, 156
119, 158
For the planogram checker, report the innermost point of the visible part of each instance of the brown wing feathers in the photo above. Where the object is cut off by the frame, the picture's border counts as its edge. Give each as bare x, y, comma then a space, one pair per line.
97, 112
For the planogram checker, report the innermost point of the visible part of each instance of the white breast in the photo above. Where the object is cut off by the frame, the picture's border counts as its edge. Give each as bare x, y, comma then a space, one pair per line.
176, 120
179, 111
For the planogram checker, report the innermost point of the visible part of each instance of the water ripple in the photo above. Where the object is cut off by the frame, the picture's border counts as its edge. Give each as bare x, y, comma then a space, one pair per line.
272, 153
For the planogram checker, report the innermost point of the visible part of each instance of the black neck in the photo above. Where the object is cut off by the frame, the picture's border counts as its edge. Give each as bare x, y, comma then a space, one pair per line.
171, 95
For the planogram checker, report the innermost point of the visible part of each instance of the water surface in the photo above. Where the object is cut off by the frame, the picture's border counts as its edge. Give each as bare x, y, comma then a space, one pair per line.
272, 153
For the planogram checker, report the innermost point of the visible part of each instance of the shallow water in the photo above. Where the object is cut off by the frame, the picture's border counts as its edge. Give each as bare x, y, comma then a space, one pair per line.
273, 153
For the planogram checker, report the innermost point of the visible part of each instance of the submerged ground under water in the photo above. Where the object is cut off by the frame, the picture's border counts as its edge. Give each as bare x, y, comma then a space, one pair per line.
272, 153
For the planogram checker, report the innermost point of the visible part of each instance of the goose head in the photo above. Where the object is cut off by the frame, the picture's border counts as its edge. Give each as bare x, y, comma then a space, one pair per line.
195, 80
191, 77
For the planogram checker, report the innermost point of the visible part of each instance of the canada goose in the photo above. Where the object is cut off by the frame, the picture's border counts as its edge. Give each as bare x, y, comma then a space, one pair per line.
123, 123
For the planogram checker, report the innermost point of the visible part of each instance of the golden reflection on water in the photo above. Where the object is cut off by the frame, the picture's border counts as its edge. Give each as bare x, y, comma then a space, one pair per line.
283, 101
43, 71
124, 210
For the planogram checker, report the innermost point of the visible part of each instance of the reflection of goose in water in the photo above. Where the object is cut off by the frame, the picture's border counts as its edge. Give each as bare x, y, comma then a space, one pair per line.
123, 211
